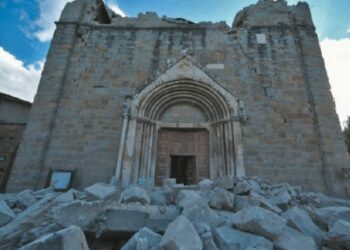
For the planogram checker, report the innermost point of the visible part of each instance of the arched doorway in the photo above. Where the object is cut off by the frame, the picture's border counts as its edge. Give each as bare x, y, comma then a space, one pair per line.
182, 103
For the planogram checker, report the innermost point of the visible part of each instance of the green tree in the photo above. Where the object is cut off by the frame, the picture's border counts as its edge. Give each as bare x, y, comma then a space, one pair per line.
347, 133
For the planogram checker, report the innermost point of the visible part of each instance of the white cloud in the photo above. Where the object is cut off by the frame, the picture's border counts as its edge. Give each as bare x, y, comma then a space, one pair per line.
337, 59
17, 79
112, 4
49, 11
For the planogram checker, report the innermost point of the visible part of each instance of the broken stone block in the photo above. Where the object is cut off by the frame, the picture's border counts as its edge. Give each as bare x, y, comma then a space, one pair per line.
121, 221
159, 217
221, 199
281, 200
243, 202
6, 214
208, 241
135, 194
181, 234
169, 182
66, 239
339, 235
206, 185
180, 187
226, 182
158, 198
26, 198
65, 197
146, 237
186, 198
259, 221
301, 221
227, 238
101, 191
330, 215
290, 239
242, 188
79, 213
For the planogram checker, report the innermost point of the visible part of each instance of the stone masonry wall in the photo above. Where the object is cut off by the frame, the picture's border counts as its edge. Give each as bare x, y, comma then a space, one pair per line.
292, 134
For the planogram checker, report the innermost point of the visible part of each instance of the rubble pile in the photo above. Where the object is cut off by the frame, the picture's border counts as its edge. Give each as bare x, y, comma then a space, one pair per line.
226, 213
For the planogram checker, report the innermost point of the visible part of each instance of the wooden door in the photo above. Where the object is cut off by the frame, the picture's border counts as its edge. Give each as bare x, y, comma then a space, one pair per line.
183, 143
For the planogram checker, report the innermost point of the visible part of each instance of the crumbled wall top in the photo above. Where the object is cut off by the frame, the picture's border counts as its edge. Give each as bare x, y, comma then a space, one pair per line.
95, 12
273, 12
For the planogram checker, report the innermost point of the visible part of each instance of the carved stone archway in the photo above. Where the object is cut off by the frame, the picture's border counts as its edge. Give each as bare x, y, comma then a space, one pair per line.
185, 83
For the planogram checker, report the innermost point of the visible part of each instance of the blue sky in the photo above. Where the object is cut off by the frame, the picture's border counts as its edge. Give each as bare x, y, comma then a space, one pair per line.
26, 28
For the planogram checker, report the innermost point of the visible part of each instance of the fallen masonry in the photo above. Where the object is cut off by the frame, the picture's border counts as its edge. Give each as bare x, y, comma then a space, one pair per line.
248, 213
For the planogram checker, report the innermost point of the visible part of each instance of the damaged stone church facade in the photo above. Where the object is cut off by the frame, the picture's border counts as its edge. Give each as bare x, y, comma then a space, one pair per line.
147, 98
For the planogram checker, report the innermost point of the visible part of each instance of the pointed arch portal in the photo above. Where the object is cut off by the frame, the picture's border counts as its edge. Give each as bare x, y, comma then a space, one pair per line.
184, 102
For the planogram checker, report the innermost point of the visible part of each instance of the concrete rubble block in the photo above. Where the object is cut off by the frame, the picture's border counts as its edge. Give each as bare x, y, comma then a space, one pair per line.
66, 239
330, 215
38, 232
339, 235
291, 239
101, 191
242, 188
6, 214
148, 238
221, 199
226, 182
65, 197
135, 194
158, 198
259, 221
206, 185
301, 221
120, 221
227, 238
208, 241
186, 198
169, 182
181, 234
26, 198
79, 213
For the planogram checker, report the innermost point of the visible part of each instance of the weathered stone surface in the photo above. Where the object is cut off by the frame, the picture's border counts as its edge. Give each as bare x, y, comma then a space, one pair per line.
79, 213
180, 234
186, 198
135, 194
280, 200
206, 185
339, 235
6, 214
26, 198
208, 241
66, 239
330, 215
101, 191
221, 199
158, 198
259, 221
242, 202
301, 221
169, 182
120, 221
291, 239
242, 188
148, 238
227, 238
65, 197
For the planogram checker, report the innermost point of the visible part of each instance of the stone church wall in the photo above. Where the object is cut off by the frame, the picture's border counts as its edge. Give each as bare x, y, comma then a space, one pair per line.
270, 59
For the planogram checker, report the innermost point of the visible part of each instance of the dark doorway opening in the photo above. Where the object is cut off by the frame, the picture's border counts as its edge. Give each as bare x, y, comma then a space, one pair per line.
183, 169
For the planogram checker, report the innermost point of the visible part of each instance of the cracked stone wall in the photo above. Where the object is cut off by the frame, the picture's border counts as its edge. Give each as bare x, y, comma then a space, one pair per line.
269, 58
